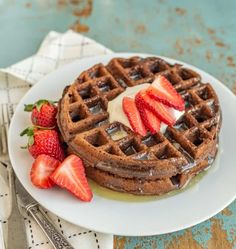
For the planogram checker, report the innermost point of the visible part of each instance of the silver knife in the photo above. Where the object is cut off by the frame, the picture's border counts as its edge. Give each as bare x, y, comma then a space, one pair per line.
33, 208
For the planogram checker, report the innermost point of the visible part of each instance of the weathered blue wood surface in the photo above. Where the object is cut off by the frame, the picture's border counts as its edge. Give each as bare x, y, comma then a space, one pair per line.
201, 32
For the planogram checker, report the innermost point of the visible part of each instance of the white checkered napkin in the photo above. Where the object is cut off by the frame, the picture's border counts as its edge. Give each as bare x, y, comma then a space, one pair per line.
56, 49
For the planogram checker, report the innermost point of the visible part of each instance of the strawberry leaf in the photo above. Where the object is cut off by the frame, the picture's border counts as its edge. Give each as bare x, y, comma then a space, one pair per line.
31, 140
29, 108
30, 134
24, 132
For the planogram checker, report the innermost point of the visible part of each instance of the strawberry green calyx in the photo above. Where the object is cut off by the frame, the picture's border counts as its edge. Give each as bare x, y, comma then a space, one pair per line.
30, 134
38, 105
29, 108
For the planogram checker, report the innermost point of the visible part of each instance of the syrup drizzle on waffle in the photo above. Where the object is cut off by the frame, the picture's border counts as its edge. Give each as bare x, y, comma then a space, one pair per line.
154, 164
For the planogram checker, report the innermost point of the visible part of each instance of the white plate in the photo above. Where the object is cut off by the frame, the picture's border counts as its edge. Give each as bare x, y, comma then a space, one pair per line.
210, 195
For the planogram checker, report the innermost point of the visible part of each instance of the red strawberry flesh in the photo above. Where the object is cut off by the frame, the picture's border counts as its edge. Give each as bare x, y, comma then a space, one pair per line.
41, 170
159, 109
162, 90
46, 117
71, 175
150, 120
132, 113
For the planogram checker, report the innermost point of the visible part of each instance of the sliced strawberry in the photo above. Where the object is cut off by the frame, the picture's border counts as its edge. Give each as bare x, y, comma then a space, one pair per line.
133, 115
41, 170
160, 110
162, 90
151, 122
70, 175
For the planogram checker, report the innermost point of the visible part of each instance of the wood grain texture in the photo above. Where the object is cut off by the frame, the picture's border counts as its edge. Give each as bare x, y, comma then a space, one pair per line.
219, 236
184, 241
218, 232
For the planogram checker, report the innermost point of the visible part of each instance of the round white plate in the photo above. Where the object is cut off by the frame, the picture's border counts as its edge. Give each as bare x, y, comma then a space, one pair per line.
215, 191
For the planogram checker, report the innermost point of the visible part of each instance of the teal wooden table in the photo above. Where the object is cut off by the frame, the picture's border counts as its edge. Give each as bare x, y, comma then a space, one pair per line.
202, 33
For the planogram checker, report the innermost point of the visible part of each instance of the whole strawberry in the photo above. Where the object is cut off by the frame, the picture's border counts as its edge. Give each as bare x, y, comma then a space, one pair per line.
43, 113
43, 142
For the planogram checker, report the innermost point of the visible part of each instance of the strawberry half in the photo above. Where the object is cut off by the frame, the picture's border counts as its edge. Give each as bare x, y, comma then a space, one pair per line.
133, 115
43, 142
70, 175
43, 113
151, 122
41, 170
162, 90
160, 110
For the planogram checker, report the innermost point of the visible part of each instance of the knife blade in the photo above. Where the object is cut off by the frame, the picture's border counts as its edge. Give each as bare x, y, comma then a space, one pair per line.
36, 212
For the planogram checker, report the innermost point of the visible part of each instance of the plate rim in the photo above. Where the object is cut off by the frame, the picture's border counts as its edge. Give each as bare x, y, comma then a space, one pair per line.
100, 57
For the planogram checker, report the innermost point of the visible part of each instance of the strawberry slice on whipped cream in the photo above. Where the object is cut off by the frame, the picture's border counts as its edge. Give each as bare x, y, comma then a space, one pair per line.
151, 120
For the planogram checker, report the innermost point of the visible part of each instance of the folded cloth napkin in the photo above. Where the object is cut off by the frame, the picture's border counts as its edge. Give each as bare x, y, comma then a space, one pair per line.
56, 50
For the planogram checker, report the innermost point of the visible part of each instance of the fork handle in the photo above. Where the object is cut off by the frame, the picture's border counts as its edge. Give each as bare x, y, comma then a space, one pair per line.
55, 237
16, 233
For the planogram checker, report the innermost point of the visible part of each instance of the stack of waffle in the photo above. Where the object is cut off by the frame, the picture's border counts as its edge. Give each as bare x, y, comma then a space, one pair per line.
127, 162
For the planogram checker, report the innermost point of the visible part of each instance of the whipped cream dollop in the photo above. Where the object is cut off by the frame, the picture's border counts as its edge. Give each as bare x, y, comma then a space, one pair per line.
116, 113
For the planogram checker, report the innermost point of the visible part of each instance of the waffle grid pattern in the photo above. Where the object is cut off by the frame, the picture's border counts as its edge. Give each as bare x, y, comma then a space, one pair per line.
152, 158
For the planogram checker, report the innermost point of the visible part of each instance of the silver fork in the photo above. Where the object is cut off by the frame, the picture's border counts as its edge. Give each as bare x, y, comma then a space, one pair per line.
15, 220
5, 117
6, 113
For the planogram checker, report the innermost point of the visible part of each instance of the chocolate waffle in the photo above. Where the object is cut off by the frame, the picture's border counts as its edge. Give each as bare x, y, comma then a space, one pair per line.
150, 165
